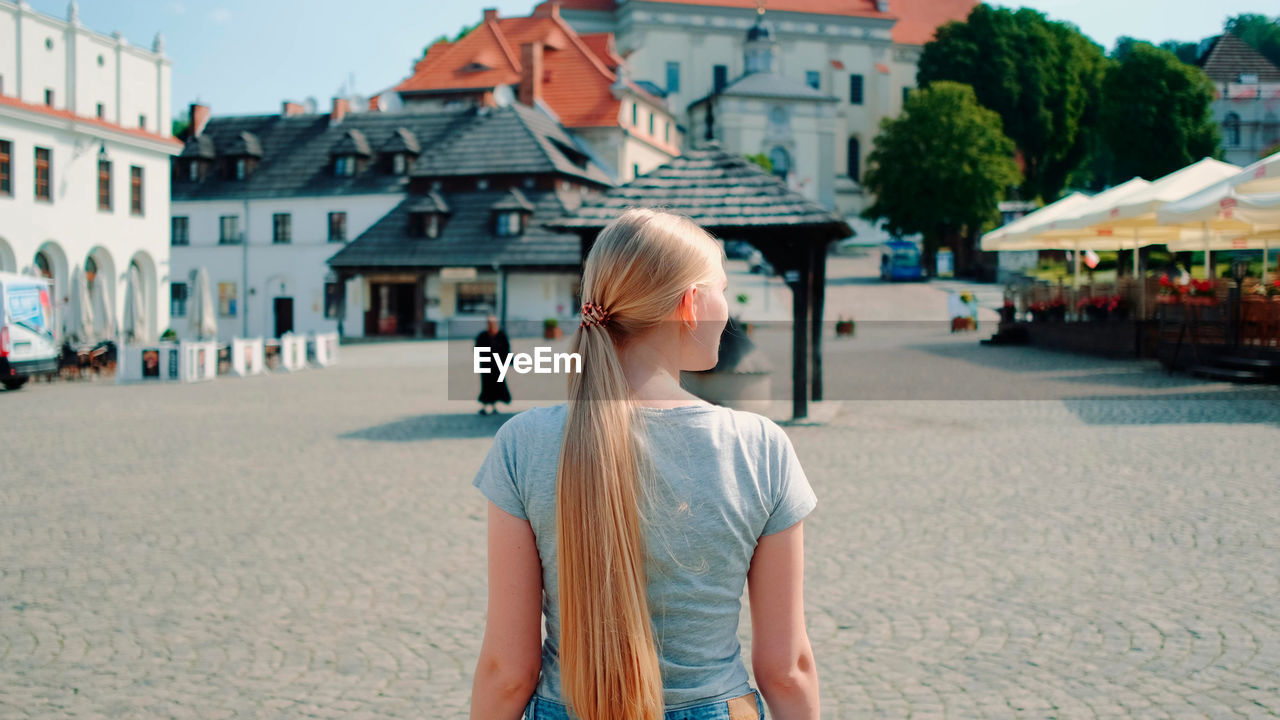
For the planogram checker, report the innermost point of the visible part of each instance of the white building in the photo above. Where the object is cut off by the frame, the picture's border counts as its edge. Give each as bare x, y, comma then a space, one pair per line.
84, 157
863, 54
376, 223
1247, 102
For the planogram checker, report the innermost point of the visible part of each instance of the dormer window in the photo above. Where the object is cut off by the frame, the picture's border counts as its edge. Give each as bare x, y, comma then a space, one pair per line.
241, 168
350, 154
427, 215
399, 164
198, 154
400, 150
511, 214
193, 170
241, 156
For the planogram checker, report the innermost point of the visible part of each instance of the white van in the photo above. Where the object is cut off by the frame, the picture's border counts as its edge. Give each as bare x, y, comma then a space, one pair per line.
27, 345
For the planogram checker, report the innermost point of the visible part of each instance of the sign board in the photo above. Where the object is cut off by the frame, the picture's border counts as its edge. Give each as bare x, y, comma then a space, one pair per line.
457, 273
942, 263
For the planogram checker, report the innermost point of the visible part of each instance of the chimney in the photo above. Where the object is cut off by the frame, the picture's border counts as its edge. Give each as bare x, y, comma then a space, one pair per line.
530, 72
490, 14
339, 111
290, 108
550, 8
199, 118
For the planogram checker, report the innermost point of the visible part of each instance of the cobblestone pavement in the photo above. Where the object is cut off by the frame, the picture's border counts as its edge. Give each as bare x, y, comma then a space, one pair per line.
310, 545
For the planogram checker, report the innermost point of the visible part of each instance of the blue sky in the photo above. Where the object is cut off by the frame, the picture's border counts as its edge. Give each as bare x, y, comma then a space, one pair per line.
246, 56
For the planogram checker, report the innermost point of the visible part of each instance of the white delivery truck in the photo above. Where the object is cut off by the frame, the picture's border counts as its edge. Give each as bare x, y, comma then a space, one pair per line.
27, 344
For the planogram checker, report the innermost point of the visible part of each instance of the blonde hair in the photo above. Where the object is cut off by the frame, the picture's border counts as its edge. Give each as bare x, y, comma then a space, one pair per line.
638, 269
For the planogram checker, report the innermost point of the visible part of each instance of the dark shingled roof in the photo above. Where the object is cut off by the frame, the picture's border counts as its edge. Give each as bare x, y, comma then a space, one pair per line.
200, 146
1229, 56
431, 202
402, 140
297, 157
500, 138
514, 200
467, 238
244, 143
353, 143
720, 191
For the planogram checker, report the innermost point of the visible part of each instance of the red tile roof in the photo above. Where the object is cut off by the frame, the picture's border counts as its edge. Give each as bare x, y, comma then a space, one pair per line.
577, 70
917, 19
68, 115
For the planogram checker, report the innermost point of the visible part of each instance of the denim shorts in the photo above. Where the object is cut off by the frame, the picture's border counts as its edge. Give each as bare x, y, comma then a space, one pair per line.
540, 708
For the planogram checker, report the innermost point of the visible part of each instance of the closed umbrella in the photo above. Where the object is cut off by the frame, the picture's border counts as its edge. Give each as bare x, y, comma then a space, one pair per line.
204, 321
104, 312
134, 324
80, 310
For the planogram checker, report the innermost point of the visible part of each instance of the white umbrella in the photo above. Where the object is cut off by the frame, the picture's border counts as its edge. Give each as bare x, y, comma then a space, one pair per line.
104, 311
80, 310
1004, 237
134, 324
204, 321
1226, 217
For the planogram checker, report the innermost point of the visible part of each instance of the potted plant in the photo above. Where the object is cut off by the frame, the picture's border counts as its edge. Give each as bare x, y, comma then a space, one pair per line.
1170, 291
1118, 307
1273, 290
551, 329
844, 327
1202, 293
1039, 311
1008, 311
1058, 309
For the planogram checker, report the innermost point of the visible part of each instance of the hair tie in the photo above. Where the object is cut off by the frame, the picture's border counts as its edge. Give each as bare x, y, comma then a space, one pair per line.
593, 314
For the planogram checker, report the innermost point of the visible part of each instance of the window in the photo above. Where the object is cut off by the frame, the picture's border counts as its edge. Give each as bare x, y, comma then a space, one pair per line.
814, 79
855, 89
227, 299
477, 297
854, 159
135, 190
1231, 130
781, 160
180, 230
102, 111
337, 227
142, 121
332, 300
398, 164
6, 171
241, 168
44, 173
635, 170
719, 77
424, 225
344, 166
229, 230
635, 115
667, 135
673, 77
193, 170
282, 228
482, 184
508, 223
104, 185
48, 97
178, 299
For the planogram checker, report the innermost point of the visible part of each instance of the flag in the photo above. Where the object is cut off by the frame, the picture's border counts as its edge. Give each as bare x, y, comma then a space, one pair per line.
1091, 259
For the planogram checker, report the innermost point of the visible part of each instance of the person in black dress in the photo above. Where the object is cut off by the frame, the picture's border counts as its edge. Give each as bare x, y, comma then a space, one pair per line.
493, 390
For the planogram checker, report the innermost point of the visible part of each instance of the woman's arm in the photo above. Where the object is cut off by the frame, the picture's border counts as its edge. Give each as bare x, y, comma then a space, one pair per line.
511, 655
781, 656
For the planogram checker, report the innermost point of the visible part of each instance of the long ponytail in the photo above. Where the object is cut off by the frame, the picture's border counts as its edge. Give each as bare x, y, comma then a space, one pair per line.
638, 269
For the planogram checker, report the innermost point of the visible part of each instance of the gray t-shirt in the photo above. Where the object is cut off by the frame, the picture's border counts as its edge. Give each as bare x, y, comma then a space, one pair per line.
725, 478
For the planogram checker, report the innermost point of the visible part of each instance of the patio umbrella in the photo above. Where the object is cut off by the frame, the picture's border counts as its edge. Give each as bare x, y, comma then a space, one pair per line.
134, 322
1260, 177
1222, 217
104, 312
204, 322
80, 310
1006, 236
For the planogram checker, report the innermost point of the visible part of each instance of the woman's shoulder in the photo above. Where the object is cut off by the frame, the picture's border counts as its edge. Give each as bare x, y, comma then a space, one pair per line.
534, 419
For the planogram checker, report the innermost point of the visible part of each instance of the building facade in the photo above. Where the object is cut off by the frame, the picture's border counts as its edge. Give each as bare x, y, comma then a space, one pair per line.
373, 223
540, 60
85, 144
862, 53
1247, 102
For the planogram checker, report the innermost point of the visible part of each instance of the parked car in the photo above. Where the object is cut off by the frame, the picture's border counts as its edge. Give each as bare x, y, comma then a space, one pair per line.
900, 260
27, 345
737, 249
756, 264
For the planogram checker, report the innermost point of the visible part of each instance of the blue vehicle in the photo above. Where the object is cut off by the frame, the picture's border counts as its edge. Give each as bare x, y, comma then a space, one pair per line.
900, 260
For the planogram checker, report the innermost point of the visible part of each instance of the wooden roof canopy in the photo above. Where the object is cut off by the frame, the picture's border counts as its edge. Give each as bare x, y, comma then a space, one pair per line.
735, 199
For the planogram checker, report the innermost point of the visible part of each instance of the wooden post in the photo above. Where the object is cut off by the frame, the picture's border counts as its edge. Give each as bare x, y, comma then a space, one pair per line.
818, 253
801, 293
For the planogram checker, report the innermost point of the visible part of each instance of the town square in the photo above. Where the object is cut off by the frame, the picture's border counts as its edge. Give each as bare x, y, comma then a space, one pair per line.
1003, 277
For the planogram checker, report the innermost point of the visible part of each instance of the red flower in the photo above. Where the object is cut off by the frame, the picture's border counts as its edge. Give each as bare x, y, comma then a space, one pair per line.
1165, 281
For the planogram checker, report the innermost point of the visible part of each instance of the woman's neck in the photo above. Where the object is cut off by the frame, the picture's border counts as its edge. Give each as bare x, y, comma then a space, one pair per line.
652, 368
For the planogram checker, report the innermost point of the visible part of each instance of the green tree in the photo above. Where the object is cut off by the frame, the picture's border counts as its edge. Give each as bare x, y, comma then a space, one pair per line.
1259, 31
463, 32
1041, 77
179, 128
1184, 51
940, 168
762, 160
1156, 115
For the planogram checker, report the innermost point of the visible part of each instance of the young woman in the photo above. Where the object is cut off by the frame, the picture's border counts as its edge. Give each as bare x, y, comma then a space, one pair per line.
631, 516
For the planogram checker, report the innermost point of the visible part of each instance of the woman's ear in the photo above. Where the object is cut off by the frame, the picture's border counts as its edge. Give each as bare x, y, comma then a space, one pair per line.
687, 305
